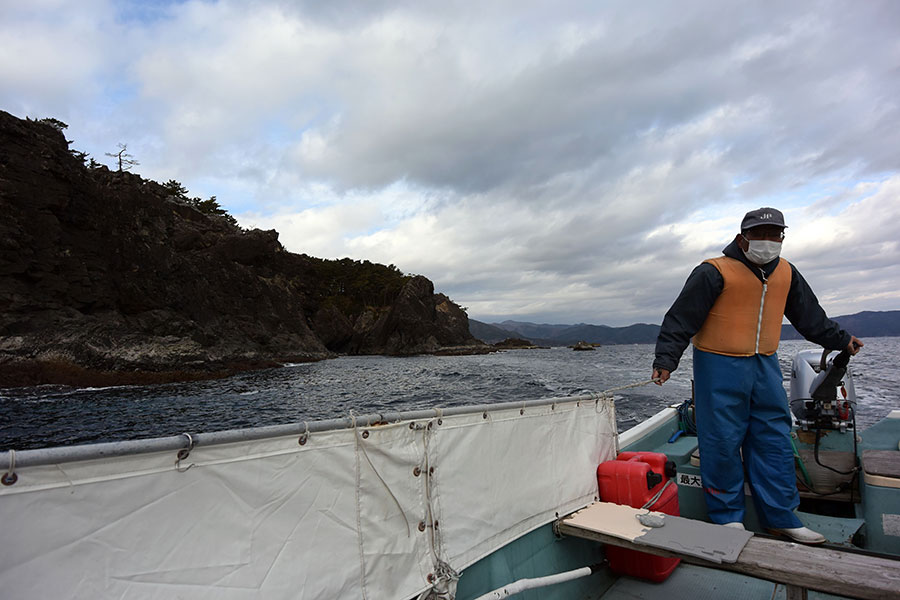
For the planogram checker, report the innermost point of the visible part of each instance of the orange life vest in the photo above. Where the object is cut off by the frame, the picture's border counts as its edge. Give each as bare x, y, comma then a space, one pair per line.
746, 317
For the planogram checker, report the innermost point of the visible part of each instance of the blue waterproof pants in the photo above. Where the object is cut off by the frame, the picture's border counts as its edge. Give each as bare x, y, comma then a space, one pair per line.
740, 405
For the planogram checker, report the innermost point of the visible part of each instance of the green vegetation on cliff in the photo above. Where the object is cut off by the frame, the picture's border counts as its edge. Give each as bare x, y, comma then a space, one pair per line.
352, 286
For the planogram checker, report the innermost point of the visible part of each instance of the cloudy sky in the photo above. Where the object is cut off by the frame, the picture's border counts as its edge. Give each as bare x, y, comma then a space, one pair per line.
555, 162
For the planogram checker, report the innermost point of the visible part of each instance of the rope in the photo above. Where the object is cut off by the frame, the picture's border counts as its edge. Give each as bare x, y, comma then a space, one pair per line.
806, 478
10, 476
596, 396
651, 521
362, 556
184, 453
444, 585
653, 500
304, 437
627, 387
688, 425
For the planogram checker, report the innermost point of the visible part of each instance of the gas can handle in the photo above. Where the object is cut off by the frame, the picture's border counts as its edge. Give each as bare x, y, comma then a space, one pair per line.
653, 479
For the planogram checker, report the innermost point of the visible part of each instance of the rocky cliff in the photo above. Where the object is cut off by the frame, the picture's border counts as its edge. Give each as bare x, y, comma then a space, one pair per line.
109, 278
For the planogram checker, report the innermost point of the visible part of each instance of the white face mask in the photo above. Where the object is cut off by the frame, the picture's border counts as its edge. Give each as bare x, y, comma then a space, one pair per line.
762, 252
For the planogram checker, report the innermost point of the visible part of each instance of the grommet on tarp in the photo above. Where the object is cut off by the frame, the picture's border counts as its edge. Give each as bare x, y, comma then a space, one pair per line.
304, 437
440, 414
10, 476
184, 453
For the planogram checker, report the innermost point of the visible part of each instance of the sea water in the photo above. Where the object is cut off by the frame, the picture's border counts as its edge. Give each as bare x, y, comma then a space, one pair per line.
48, 416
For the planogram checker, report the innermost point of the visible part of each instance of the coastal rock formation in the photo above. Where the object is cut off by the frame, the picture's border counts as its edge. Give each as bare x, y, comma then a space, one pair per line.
107, 277
582, 346
515, 344
396, 330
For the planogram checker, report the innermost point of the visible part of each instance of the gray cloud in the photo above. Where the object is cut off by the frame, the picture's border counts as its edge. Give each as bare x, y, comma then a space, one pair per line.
565, 163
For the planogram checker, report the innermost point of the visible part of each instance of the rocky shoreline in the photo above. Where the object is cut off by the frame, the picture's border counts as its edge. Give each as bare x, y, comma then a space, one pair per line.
515, 344
108, 279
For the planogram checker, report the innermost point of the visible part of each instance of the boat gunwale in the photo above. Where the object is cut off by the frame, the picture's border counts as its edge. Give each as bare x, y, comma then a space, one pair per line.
661, 418
66, 454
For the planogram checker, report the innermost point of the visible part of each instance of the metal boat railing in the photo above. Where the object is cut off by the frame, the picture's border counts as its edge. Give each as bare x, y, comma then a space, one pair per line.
64, 454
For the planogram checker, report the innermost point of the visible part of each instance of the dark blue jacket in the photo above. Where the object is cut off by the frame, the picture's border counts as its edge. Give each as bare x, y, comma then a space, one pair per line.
703, 287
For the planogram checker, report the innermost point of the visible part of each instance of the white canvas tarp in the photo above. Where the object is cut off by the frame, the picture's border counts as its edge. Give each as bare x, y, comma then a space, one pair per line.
374, 512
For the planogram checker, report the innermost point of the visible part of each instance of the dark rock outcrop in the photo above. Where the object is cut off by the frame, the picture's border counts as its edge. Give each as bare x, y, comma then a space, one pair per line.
105, 276
582, 346
515, 344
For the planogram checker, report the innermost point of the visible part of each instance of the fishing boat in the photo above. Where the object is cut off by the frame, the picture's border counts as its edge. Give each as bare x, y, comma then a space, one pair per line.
476, 502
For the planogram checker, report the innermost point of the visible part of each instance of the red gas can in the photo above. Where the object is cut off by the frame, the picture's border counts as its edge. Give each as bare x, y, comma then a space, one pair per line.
633, 479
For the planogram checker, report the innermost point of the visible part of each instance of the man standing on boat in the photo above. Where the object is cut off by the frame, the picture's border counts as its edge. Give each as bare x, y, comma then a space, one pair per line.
731, 308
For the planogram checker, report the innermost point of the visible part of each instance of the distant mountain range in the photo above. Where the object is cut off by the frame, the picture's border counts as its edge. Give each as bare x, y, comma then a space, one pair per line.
563, 335
864, 324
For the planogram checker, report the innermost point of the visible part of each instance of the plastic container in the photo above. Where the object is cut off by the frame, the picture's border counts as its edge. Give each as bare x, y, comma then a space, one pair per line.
633, 479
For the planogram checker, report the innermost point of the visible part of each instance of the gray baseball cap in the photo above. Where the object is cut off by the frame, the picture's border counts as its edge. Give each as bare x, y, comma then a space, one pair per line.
763, 216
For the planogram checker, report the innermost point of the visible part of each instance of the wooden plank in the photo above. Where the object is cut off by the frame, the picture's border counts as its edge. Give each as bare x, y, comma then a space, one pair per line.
815, 568
822, 569
885, 463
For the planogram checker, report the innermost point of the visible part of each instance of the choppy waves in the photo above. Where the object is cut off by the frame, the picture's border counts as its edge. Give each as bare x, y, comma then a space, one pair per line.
58, 415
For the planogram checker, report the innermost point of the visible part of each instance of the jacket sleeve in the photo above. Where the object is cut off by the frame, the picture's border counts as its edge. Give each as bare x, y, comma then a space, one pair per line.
808, 318
687, 315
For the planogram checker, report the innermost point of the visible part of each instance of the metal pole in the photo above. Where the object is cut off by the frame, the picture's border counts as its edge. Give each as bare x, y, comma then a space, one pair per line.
64, 454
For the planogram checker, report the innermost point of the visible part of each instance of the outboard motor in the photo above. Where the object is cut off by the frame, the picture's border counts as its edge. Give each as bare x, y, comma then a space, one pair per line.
822, 392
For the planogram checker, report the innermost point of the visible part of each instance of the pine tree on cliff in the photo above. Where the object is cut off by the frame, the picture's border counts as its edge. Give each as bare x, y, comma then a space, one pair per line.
126, 161
210, 206
54, 123
176, 189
